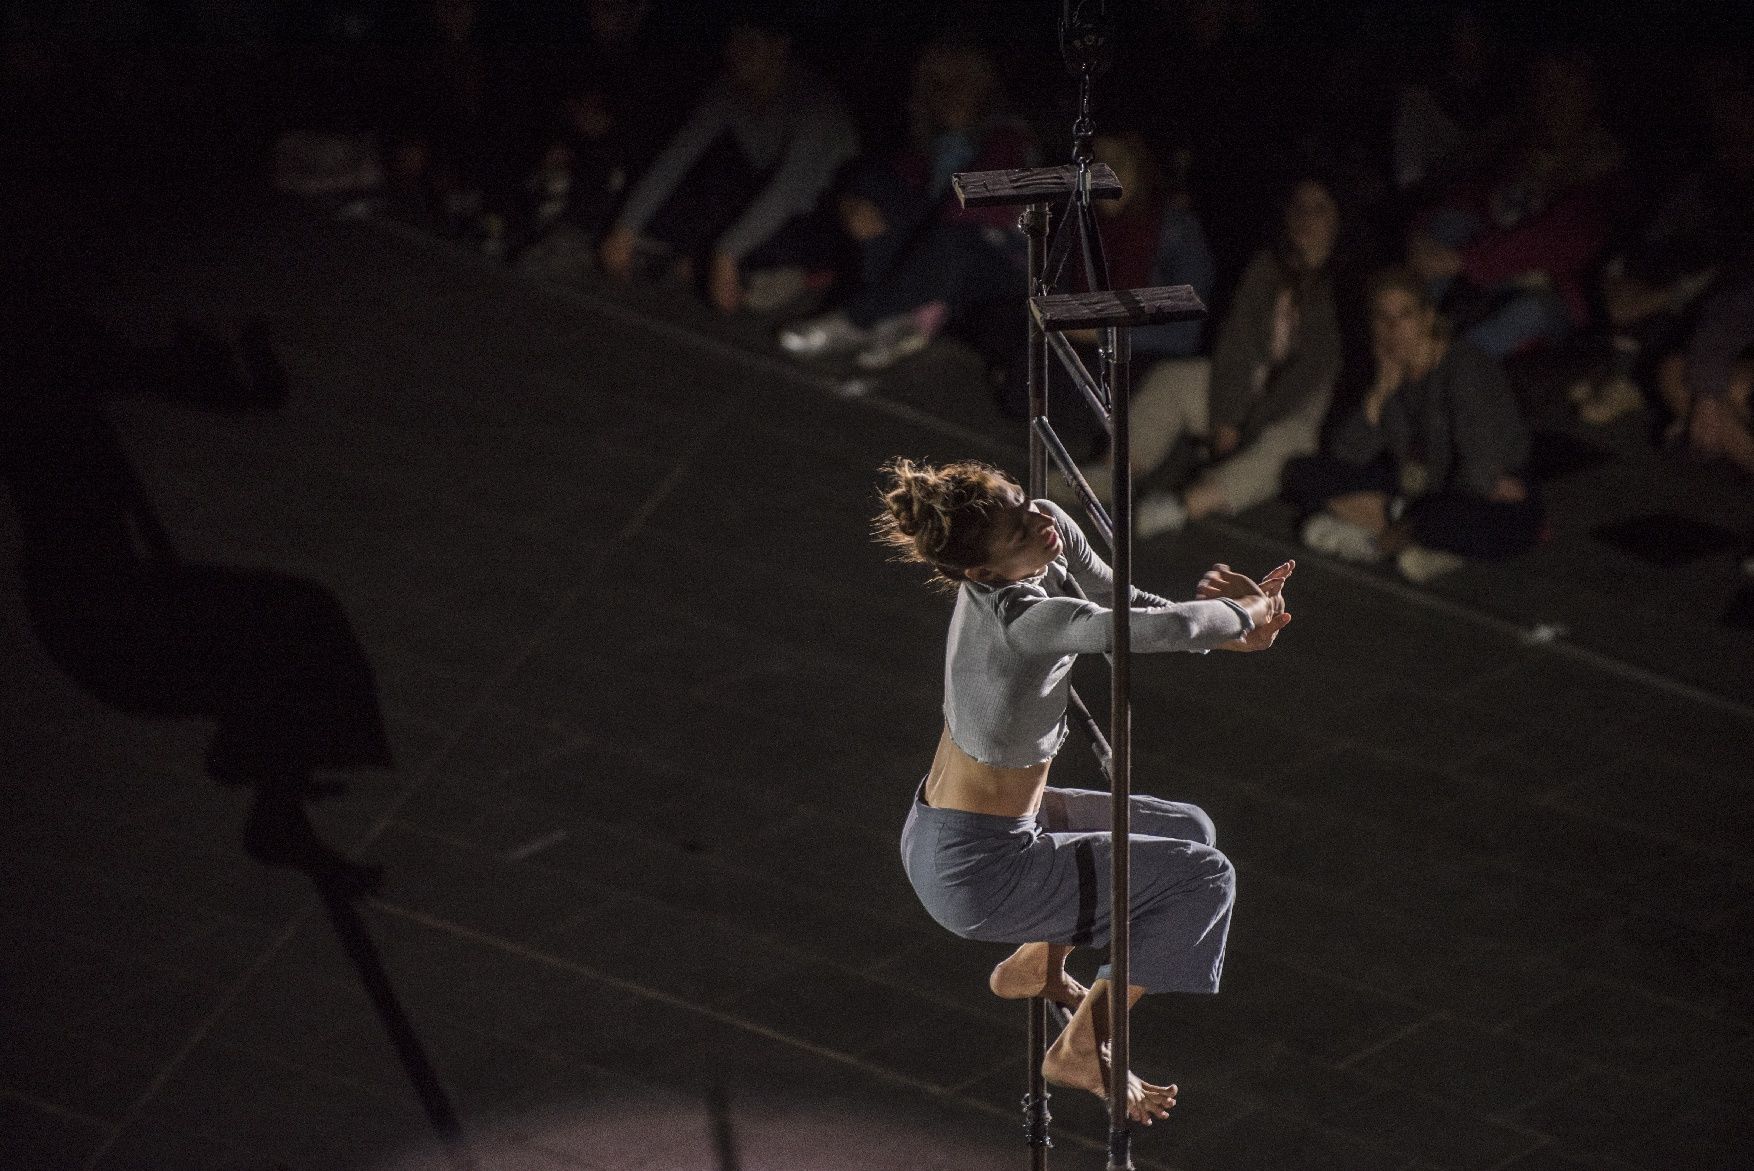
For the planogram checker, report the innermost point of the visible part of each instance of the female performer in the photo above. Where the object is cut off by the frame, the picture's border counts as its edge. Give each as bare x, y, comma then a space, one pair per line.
993, 853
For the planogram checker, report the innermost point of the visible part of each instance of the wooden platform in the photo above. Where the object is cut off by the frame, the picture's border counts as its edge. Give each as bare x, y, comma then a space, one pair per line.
1118, 307
1031, 185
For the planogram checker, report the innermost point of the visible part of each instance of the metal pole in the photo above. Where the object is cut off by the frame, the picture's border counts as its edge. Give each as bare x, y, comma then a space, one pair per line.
1035, 1102
1034, 223
1035, 228
1120, 1156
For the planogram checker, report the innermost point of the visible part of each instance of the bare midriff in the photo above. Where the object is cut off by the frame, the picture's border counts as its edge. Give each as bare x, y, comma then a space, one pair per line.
959, 781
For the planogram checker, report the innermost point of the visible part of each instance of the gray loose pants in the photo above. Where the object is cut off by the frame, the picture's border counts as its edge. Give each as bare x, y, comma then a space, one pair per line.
1045, 879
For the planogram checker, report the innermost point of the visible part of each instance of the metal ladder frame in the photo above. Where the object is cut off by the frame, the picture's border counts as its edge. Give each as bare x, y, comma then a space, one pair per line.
1107, 393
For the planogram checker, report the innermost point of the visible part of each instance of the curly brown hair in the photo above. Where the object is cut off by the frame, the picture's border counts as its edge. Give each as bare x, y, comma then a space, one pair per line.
942, 516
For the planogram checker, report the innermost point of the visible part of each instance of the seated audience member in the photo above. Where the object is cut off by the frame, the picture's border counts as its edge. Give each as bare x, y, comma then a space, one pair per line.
599, 115
1259, 400
1509, 255
435, 116
1426, 468
1652, 286
1722, 424
1707, 385
923, 260
1444, 120
735, 187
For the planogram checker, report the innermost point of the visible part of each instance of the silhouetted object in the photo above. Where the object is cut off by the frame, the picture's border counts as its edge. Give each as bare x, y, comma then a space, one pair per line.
724, 1134
271, 658
1740, 611
350, 929
1554, 455
1665, 539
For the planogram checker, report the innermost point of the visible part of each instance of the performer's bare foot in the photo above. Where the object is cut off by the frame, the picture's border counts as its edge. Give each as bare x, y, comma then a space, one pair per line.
1037, 969
1079, 1059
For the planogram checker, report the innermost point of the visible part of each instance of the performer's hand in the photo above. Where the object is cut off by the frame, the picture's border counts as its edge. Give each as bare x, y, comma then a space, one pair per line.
1264, 602
1226, 438
1261, 637
725, 284
1273, 584
616, 253
1221, 581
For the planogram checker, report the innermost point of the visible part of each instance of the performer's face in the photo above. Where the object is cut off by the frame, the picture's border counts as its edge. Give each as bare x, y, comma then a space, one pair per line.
1022, 544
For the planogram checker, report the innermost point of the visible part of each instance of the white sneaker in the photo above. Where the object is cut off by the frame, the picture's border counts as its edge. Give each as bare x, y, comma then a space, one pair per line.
768, 289
1160, 512
1419, 564
822, 336
891, 340
1326, 533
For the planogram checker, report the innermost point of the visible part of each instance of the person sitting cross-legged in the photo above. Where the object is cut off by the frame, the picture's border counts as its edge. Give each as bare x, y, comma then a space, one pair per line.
1425, 468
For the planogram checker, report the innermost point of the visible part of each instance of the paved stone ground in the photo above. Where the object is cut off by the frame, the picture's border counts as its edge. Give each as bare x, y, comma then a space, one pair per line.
655, 705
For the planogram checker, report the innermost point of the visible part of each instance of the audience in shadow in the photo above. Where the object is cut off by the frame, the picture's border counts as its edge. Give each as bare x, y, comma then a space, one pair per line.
1557, 234
1508, 252
1652, 285
1706, 385
1449, 117
923, 261
736, 190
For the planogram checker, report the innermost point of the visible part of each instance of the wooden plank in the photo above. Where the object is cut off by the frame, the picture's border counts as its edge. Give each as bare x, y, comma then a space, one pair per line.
1119, 307
1031, 185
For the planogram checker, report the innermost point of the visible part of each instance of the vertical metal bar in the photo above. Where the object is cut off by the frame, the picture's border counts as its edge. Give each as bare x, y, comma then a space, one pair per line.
1120, 750
1035, 227
1035, 1102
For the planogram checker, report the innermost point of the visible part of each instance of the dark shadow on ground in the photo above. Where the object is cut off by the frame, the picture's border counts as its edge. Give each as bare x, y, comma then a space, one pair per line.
270, 658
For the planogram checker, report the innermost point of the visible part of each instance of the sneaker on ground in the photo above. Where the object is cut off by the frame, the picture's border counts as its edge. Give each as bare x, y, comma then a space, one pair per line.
1326, 533
1419, 564
1159, 512
892, 339
768, 289
820, 337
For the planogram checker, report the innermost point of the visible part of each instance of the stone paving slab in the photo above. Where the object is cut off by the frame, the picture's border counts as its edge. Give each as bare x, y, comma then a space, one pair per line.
655, 704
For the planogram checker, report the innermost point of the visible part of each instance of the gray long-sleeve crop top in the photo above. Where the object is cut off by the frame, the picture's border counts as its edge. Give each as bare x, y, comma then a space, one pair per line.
1011, 647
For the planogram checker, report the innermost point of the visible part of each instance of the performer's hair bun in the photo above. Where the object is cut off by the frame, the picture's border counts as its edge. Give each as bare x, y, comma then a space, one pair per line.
941, 516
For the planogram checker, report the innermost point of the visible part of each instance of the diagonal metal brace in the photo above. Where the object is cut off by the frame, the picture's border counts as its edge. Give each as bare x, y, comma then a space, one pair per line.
1069, 468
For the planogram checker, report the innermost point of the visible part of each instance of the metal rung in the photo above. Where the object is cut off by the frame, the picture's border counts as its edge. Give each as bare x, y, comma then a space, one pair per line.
1117, 307
1031, 185
1082, 379
1057, 451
